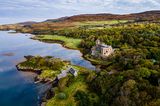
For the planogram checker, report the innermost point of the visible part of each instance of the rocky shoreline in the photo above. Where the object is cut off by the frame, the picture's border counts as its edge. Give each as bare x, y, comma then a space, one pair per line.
49, 93
48, 40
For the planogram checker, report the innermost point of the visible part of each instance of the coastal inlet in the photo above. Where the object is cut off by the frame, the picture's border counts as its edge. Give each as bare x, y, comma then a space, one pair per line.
14, 47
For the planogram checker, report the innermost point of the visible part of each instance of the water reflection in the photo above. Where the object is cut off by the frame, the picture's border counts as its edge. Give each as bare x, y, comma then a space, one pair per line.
17, 88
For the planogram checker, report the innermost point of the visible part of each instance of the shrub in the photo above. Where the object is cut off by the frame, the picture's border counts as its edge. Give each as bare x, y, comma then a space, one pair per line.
62, 96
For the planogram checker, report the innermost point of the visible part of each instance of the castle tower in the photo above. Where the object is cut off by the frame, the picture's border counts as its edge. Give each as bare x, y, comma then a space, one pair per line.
98, 42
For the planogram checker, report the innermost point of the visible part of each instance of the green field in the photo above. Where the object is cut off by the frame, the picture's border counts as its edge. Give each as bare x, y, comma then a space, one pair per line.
100, 22
67, 42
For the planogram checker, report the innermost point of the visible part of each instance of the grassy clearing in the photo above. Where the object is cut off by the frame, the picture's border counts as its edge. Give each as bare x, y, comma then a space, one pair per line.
69, 101
67, 42
77, 84
48, 74
69, 86
100, 22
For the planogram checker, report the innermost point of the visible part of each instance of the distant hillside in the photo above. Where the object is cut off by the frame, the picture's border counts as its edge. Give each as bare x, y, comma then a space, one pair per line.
57, 20
27, 23
148, 15
51, 25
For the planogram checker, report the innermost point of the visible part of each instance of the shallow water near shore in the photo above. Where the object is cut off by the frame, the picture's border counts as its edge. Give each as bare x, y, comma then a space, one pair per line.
18, 88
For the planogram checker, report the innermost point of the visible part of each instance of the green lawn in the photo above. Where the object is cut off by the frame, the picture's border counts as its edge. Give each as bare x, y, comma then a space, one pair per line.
48, 74
69, 91
75, 84
68, 42
109, 22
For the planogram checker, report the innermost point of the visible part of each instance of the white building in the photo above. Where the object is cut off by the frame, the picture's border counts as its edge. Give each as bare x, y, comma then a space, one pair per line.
64, 73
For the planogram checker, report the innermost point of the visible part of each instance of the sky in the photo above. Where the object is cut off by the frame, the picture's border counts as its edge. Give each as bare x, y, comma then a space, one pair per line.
12, 11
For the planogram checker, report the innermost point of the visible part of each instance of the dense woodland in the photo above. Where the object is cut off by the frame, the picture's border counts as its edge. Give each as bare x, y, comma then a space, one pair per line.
136, 62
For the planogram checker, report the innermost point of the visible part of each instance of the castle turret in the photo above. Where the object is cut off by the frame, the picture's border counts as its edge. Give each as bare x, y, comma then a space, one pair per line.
98, 42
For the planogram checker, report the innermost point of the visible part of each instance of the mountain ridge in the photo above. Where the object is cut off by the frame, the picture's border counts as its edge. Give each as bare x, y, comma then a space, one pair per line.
108, 16
51, 25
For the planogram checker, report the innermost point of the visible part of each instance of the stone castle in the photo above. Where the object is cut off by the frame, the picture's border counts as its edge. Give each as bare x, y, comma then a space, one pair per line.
101, 50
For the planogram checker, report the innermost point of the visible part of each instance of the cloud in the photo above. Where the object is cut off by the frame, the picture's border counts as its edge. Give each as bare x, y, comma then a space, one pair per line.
79, 5
134, 1
57, 8
155, 2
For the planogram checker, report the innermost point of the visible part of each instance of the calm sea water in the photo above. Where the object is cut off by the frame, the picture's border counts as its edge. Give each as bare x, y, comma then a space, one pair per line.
18, 88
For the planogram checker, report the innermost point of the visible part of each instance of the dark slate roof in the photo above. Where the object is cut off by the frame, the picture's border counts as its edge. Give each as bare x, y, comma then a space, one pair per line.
72, 71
